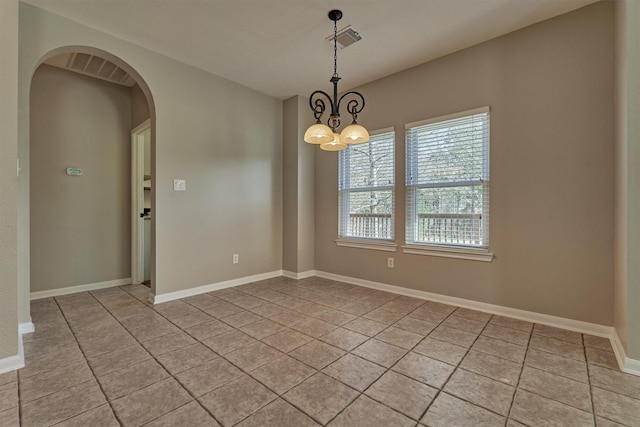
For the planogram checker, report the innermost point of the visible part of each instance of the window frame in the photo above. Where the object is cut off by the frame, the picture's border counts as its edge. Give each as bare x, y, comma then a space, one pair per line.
445, 249
374, 243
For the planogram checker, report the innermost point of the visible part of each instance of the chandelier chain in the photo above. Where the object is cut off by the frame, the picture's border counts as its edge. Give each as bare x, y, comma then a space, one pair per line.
335, 48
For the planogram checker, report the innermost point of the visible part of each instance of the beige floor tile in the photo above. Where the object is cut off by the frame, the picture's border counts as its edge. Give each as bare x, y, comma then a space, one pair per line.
290, 302
267, 309
150, 403
506, 334
529, 408
556, 364
208, 329
398, 307
208, 376
481, 391
615, 381
192, 319
429, 371
8, 377
574, 338
174, 309
556, 346
146, 317
8, 396
380, 352
354, 371
317, 354
476, 315
153, 330
289, 318
46, 383
464, 324
603, 358
62, 405
237, 400
440, 307
312, 309
321, 397
555, 387
344, 338
366, 412
186, 358
500, 348
336, 317
252, 356
441, 350
262, 328
448, 411
10, 417
365, 326
358, 308
410, 301
415, 325
399, 337
241, 319
228, 341
600, 343
314, 327
454, 336
278, 414
202, 301
106, 363
101, 416
222, 310
498, 369
603, 422
405, 395
107, 343
428, 314
381, 315
287, 340
508, 322
168, 343
282, 374
131, 378
247, 302
191, 414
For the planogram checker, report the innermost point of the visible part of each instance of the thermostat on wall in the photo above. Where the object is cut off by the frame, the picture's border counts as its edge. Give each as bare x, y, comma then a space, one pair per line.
74, 171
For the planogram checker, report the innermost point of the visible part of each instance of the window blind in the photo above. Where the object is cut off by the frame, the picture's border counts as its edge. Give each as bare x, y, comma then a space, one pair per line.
447, 180
366, 184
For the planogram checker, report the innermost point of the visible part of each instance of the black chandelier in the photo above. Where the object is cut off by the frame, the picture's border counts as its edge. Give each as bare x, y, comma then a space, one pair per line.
327, 135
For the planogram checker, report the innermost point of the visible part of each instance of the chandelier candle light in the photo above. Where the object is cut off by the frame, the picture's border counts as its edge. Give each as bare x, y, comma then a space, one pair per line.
327, 135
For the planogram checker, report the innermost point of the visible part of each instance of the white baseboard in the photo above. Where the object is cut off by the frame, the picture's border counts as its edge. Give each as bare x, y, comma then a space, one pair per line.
13, 363
170, 296
298, 276
80, 288
26, 328
630, 366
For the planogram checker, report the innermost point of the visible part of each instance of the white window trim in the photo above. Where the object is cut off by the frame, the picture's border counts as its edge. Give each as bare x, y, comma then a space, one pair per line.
468, 253
373, 244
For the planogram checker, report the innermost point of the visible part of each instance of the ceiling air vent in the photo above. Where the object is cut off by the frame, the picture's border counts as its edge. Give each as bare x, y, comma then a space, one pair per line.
346, 37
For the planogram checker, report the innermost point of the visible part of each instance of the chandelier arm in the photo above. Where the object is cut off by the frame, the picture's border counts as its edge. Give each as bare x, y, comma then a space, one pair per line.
355, 105
317, 105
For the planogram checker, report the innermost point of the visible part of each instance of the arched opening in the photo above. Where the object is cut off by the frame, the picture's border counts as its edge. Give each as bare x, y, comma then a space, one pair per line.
84, 105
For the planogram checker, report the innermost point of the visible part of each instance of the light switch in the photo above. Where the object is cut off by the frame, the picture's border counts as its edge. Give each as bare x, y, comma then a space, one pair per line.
179, 185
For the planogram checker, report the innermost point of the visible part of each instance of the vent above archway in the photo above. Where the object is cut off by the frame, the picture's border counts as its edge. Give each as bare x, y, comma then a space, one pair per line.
93, 66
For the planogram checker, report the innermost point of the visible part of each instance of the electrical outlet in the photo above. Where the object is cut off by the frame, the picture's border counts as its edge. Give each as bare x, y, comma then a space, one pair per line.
390, 262
236, 258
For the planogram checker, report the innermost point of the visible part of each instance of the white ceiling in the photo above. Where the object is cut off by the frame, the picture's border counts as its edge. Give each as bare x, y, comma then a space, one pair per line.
278, 46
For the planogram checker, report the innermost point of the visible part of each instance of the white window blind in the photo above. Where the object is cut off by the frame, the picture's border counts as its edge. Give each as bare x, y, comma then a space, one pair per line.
447, 180
366, 187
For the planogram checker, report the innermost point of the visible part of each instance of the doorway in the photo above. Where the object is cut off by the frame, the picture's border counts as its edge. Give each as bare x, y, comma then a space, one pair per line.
141, 214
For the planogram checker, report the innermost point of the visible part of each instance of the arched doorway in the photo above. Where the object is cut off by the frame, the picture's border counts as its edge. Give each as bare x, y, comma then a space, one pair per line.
84, 104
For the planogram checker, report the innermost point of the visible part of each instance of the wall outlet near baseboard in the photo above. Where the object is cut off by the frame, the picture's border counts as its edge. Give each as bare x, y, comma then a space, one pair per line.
390, 262
236, 258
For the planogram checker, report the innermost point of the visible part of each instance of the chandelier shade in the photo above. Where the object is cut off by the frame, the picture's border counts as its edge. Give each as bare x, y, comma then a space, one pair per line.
327, 135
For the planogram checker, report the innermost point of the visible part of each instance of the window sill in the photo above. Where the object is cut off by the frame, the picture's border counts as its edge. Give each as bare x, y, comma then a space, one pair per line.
376, 245
471, 254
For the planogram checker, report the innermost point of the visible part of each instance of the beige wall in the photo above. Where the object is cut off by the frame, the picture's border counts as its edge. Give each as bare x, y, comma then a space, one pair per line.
139, 107
627, 249
80, 225
224, 139
298, 188
8, 179
550, 89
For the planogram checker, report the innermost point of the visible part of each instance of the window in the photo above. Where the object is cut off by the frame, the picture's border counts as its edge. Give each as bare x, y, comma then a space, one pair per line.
366, 188
447, 177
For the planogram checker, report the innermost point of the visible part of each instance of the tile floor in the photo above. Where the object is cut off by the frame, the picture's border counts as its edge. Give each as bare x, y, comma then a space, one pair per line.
302, 353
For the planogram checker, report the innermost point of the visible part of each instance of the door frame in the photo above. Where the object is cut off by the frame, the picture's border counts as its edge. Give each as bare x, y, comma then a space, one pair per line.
137, 201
